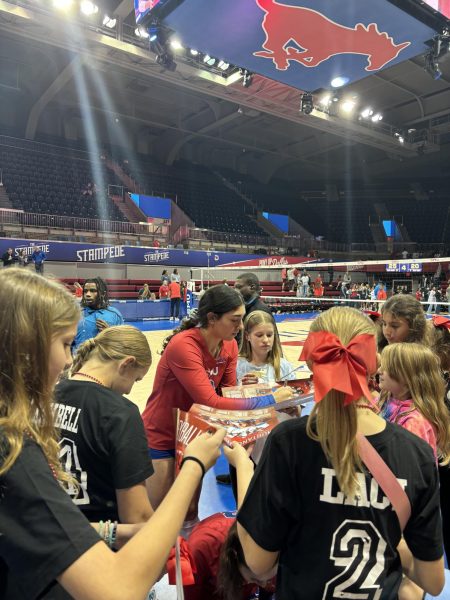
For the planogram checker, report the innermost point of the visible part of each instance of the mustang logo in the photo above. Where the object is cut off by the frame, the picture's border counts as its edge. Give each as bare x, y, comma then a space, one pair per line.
320, 38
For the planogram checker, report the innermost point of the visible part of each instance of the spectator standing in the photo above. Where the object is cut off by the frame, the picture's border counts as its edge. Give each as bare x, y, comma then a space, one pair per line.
22, 258
96, 313
8, 258
175, 299
345, 284
249, 287
175, 276
291, 279
165, 277
404, 253
432, 300
303, 285
381, 294
164, 290
38, 257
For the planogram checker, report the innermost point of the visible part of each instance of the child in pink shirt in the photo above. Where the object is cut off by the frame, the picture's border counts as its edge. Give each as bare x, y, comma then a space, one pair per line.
412, 394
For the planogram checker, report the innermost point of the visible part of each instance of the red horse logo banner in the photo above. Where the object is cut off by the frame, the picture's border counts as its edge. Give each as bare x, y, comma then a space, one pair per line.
320, 38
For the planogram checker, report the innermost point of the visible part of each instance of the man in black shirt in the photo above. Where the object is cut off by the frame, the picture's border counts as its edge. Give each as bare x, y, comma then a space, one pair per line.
8, 258
249, 286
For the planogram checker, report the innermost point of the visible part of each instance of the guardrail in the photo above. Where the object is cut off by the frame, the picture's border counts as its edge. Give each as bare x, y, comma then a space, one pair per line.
19, 217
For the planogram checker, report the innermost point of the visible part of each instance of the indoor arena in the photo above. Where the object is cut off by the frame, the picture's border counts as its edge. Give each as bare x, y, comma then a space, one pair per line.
225, 291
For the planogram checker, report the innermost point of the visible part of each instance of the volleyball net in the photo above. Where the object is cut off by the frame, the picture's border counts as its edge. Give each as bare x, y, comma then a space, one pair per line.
346, 283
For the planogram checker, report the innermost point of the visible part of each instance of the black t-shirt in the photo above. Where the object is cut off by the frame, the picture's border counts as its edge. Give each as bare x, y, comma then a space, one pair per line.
103, 445
256, 304
329, 547
41, 531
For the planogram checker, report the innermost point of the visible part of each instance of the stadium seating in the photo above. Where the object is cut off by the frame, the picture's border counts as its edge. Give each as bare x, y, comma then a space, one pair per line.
50, 183
199, 193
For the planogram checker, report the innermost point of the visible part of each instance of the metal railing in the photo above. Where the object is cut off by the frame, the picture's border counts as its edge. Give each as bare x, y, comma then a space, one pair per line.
23, 219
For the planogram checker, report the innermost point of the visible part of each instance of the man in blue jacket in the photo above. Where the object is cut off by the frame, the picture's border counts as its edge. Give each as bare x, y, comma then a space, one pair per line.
96, 314
38, 257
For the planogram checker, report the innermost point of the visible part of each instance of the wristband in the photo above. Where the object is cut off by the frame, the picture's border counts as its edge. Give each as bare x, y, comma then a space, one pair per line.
196, 460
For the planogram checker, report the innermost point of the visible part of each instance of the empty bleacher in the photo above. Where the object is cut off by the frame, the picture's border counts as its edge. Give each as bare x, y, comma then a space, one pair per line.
198, 192
52, 183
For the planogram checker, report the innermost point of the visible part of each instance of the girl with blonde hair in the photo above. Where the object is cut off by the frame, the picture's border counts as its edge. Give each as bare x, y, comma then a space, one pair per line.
261, 355
46, 542
412, 393
315, 510
105, 432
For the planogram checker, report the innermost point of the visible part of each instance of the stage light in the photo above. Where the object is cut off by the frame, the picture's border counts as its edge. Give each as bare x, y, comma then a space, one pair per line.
209, 60
62, 4
306, 103
376, 117
432, 66
176, 45
366, 113
223, 65
88, 8
339, 81
193, 52
348, 105
141, 32
325, 100
109, 22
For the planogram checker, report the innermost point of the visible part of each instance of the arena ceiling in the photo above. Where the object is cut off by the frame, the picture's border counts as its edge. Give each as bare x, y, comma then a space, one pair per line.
59, 76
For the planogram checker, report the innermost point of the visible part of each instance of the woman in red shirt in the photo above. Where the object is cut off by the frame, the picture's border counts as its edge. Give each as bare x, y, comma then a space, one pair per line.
164, 290
198, 360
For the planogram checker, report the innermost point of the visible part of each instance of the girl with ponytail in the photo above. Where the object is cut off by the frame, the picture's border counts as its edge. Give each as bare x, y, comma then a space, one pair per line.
103, 443
315, 509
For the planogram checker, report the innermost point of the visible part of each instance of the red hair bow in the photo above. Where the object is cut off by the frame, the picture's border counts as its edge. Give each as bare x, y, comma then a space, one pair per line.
187, 563
441, 322
338, 367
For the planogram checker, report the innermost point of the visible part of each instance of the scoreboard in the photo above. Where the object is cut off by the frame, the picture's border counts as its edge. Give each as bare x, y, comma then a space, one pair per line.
395, 267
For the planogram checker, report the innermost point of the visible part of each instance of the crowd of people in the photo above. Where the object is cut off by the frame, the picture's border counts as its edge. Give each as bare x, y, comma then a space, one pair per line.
90, 506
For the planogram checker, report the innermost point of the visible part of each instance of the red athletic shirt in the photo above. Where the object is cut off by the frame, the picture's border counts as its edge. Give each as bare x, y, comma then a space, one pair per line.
175, 290
186, 374
164, 291
205, 544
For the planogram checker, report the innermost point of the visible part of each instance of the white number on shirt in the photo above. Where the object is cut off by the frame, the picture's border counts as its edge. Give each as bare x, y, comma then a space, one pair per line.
359, 549
68, 456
